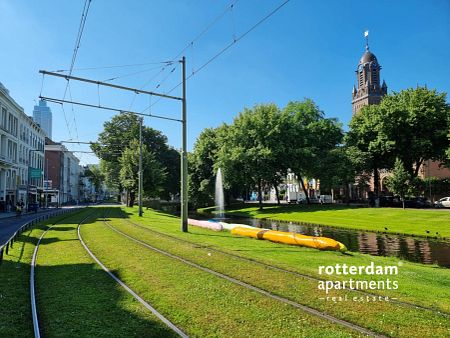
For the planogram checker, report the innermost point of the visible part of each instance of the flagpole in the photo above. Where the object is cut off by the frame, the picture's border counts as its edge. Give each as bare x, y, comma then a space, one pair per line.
366, 35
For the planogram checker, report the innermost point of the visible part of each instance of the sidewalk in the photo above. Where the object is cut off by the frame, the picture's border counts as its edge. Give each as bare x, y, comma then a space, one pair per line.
13, 213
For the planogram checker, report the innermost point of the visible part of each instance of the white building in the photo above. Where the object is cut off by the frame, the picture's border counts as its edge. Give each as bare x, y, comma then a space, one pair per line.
21, 154
42, 115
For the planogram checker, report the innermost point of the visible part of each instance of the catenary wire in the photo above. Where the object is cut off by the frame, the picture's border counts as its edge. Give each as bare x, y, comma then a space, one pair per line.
223, 50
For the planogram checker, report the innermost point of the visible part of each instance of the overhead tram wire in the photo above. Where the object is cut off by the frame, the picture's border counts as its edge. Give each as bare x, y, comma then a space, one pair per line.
206, 29
203, 32
134, 73
189, 45
115, 66
84, 15
223, 50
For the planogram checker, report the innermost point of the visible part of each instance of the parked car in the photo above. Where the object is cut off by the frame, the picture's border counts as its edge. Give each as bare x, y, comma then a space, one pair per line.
443, 203
417, 202
390, 201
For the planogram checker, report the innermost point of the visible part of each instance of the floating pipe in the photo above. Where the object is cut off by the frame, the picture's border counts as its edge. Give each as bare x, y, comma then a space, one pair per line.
321, 243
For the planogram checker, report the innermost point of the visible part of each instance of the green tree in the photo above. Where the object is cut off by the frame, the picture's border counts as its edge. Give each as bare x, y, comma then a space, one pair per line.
309, 140
411, 125
154, 174
95, 176
399, 182
251, 150
201, 168
369, 143
115, 138
417, 121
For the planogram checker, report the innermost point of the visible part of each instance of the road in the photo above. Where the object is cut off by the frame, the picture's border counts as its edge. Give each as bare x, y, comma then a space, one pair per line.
9, 225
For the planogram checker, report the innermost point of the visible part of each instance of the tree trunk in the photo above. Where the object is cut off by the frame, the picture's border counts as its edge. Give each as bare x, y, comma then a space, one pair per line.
376, 182
277, 193
304, 188
347, 193
132, 198
260, 194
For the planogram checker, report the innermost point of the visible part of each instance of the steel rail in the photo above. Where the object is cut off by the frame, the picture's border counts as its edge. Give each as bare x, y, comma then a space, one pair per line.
263, 292
277, 268
34, 312
130, 291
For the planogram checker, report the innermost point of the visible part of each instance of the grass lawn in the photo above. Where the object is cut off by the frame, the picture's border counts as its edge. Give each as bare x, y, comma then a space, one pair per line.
409, 221
76, 298
418, 284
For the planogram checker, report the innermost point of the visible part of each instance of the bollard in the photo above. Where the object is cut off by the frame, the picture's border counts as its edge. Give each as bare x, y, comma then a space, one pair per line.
1, 255
7, 245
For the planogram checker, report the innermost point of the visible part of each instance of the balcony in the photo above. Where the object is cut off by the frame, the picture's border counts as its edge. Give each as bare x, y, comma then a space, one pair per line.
6, 161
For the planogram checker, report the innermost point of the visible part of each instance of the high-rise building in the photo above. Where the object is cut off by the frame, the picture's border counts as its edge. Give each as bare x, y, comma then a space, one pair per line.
368, 90
42, 115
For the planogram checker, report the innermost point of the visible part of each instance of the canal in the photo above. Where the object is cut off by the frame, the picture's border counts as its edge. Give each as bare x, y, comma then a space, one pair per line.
414, 249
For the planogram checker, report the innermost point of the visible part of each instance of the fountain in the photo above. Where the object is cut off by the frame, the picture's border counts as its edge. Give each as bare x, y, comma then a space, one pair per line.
219, 199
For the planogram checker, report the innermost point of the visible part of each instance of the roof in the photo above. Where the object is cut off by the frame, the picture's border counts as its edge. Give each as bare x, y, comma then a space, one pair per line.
367, 57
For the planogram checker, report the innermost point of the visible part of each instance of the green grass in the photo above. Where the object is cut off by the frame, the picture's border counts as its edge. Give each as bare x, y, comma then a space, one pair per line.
202, 304
76, 298
379, 316
419, 284
409, 221
14, 284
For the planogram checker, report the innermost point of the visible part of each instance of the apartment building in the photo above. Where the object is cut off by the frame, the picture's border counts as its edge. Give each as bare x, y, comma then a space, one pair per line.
21, 154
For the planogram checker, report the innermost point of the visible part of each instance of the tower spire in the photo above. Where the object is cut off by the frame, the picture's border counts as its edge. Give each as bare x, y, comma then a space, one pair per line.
366, 35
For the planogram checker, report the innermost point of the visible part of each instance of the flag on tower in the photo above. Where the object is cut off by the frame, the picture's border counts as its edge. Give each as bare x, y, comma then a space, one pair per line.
366, 34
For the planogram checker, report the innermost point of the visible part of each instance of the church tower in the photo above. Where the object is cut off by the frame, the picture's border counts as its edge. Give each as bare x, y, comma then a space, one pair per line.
368, 90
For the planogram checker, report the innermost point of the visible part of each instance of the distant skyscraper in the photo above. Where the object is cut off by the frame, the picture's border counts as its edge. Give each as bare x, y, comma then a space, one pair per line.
42, 115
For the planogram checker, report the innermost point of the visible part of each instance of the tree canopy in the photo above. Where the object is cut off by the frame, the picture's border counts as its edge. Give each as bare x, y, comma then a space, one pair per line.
118, 139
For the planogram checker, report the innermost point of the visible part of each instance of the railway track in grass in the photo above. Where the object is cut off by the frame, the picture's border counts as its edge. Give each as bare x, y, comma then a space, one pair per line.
34, 312
277, 268
248, 286
149, 307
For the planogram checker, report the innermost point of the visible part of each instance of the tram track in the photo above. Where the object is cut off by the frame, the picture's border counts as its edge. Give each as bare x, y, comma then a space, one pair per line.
128, 289
34, 312
277, 268
248, 286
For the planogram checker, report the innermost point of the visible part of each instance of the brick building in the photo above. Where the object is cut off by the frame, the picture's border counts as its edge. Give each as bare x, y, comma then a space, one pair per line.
63, 173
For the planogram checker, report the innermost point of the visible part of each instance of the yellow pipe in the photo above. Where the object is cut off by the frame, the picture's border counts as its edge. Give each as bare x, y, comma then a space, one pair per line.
321, 243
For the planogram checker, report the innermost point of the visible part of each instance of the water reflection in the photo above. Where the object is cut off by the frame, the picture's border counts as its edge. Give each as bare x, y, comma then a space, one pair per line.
413, 249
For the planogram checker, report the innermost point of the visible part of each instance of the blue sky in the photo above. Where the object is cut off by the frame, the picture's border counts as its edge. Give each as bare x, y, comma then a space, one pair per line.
307, 49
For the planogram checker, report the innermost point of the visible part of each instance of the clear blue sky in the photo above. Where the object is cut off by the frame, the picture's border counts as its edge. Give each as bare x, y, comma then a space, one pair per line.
307, 49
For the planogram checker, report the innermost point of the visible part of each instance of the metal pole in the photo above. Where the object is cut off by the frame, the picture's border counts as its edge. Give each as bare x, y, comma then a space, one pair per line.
184, 171
46, 187
140, 166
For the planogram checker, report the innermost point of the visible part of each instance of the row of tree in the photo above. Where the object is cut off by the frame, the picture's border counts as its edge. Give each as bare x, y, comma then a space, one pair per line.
264, 143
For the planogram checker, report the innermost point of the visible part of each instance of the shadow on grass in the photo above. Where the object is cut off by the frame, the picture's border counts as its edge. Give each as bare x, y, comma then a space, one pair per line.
73, 300
83, 301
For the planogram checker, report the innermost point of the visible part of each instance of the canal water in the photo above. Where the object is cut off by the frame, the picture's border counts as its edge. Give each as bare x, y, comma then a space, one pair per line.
414, 249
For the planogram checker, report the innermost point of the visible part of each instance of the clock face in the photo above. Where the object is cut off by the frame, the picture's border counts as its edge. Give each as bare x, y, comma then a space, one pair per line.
374, 66
360, 68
